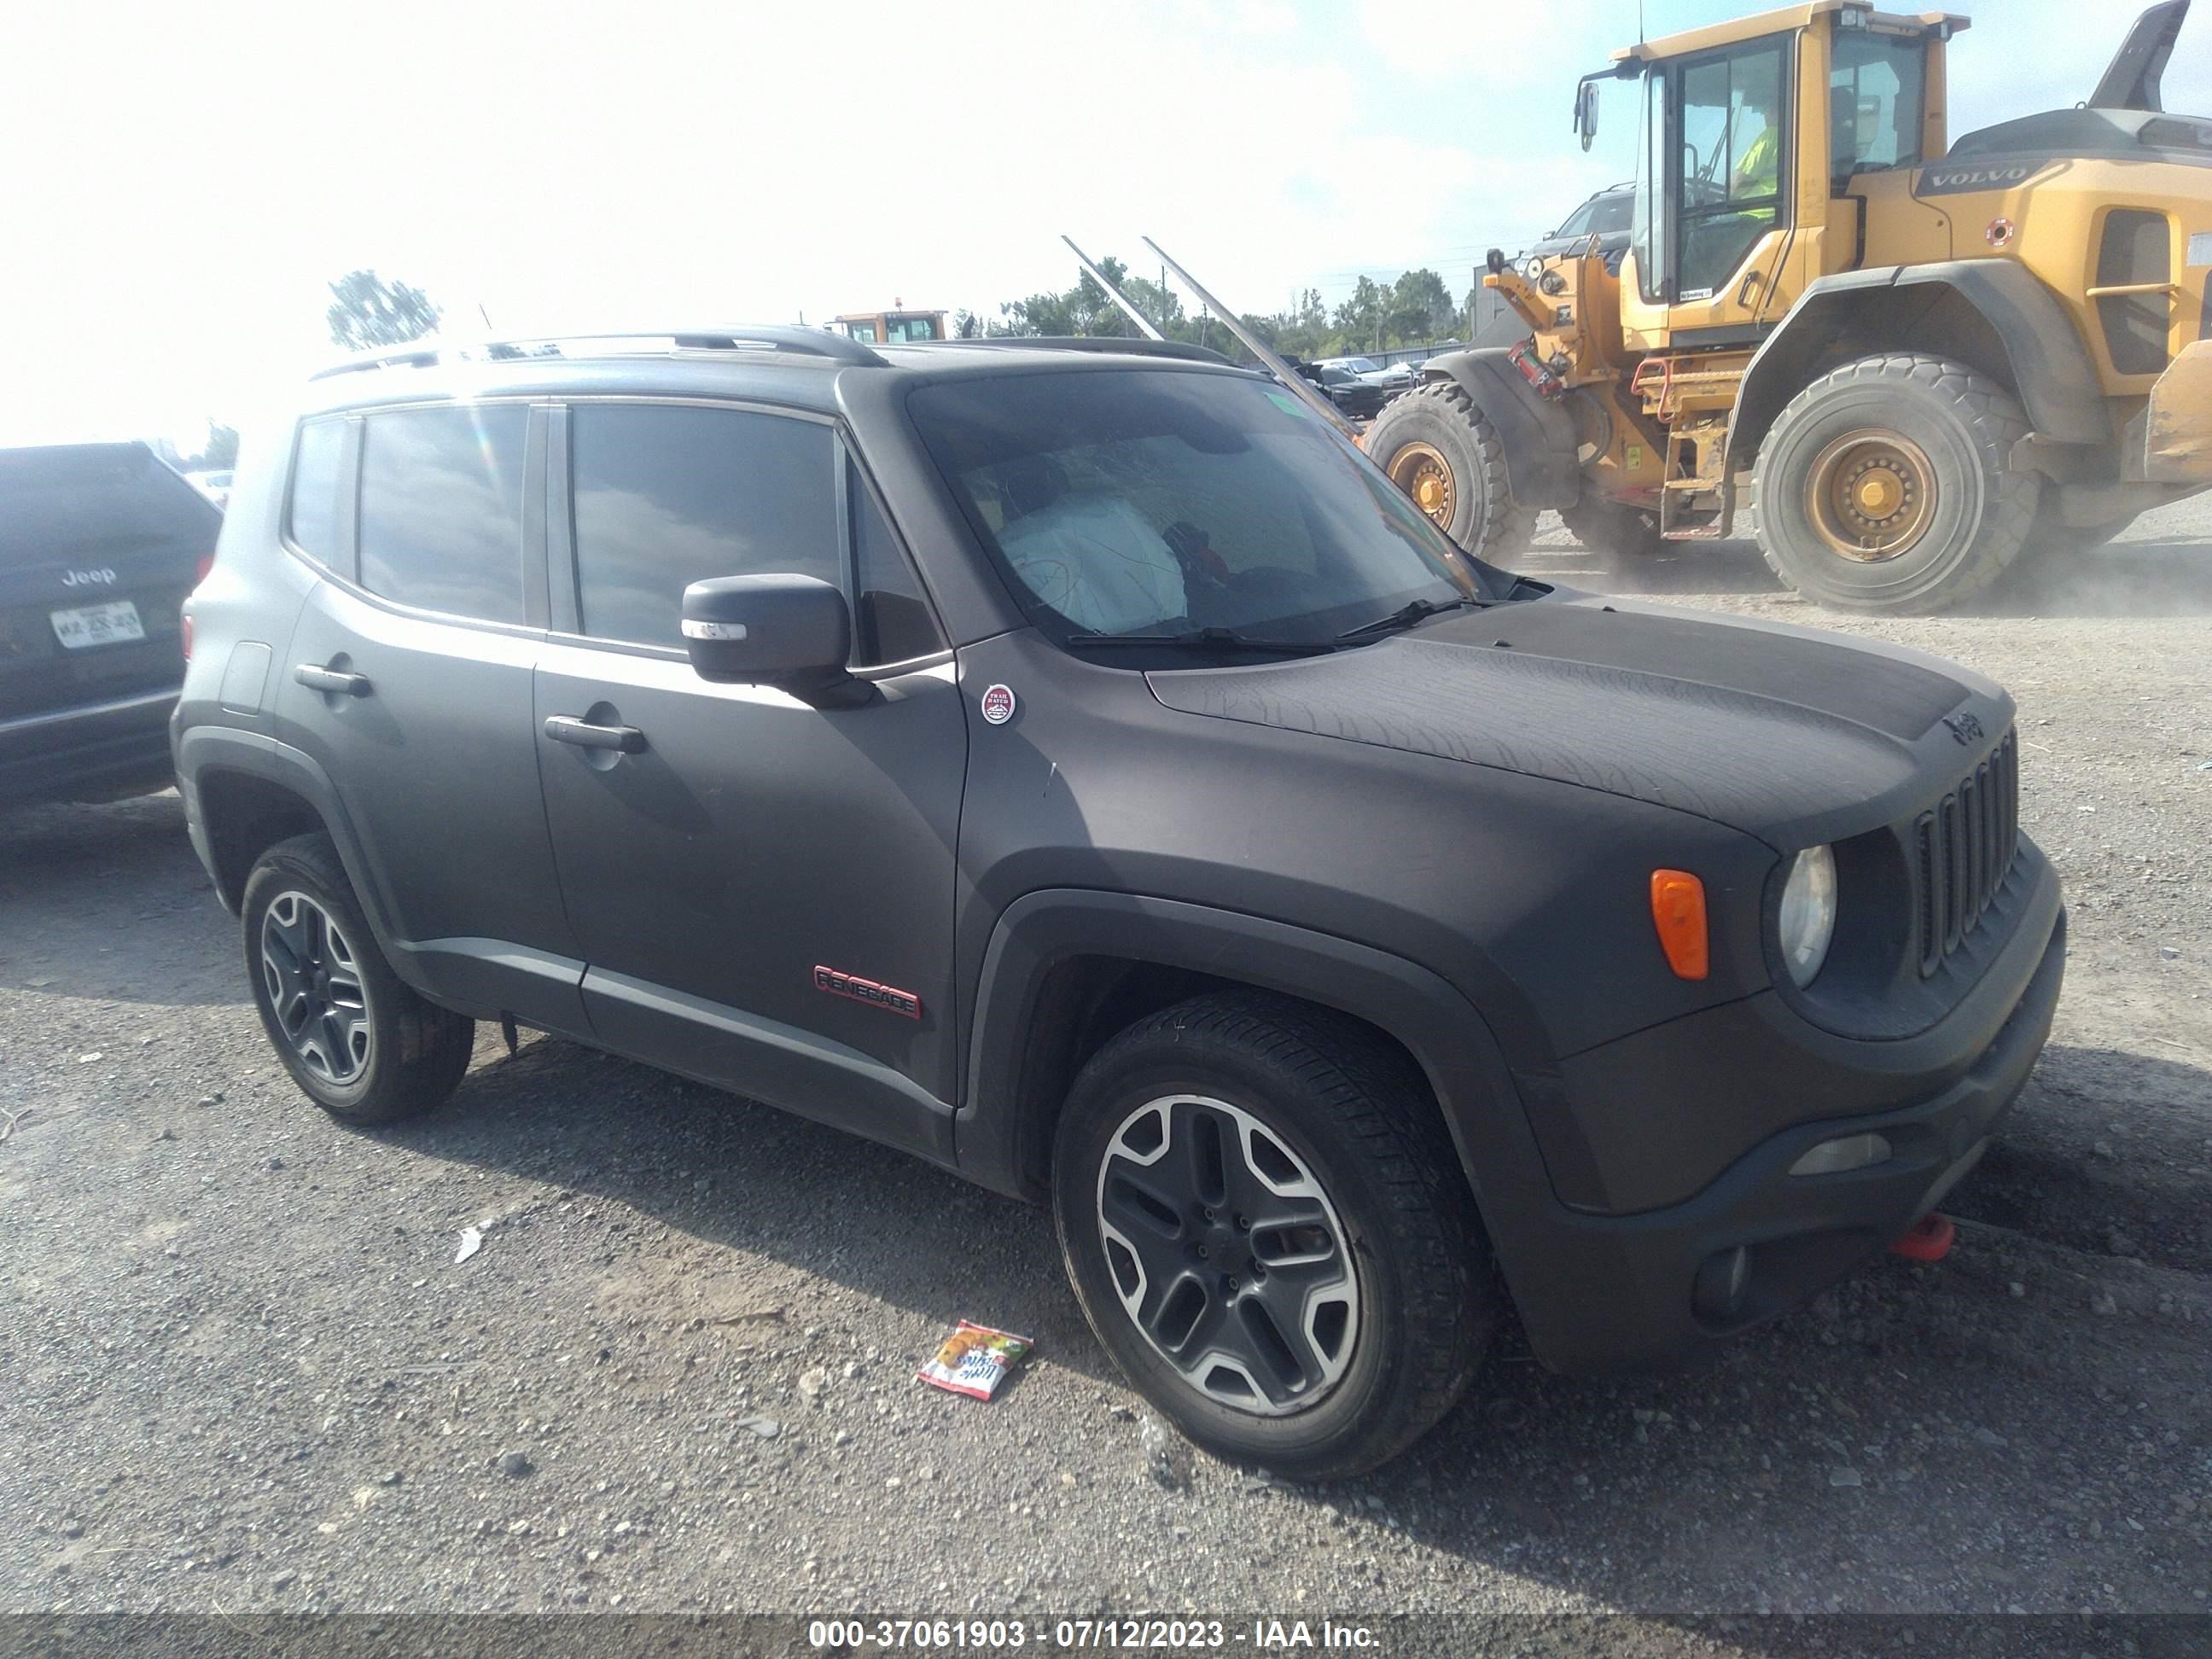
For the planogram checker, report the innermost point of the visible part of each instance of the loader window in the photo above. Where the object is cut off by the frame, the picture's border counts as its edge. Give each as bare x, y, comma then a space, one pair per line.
1730, 158
1874, 97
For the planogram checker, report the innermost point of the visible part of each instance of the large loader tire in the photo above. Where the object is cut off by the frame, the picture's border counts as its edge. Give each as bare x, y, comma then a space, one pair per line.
1884, 486
1439, 447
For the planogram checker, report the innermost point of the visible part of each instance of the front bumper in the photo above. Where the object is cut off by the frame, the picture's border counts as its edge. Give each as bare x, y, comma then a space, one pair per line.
96, 752
1603, 1291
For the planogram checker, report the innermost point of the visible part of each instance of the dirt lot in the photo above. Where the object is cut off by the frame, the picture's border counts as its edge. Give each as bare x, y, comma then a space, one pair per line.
242, 1371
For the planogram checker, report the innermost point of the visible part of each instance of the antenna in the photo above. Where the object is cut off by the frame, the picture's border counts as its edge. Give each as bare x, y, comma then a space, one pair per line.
1292, 381
1128, 306
486, 315
1639, 23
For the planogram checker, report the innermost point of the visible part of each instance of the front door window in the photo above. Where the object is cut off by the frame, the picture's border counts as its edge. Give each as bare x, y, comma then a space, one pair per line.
1732, 153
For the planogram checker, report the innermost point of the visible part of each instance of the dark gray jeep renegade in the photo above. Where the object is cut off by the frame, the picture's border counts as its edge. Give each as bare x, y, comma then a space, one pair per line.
1087, 773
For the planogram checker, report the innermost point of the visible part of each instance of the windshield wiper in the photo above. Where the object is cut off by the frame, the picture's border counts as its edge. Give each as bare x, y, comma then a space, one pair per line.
1202, 638
1406, 614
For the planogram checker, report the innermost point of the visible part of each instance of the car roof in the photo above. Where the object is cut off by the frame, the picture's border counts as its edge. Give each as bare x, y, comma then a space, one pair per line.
793, 376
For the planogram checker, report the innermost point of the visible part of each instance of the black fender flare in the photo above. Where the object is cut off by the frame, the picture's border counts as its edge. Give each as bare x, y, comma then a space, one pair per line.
205, 751
1447, 1036
2043, 354
1537, 433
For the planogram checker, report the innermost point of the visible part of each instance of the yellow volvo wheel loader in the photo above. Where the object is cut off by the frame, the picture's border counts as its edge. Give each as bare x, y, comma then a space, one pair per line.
1924, 355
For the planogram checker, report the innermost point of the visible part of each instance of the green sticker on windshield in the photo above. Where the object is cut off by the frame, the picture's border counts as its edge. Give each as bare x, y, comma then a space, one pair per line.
1289, 405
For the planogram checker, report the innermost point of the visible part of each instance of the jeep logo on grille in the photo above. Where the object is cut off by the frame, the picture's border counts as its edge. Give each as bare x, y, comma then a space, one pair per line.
101, 577
1965, 727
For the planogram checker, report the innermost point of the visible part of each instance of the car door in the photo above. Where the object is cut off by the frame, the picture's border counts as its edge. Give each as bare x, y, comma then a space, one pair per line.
763, 890
408, 680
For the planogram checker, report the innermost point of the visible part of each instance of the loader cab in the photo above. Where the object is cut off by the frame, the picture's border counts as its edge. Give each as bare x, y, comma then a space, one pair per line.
1758, 143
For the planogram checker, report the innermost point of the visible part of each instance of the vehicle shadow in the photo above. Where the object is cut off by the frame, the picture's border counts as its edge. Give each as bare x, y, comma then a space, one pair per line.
1823, 1435
108, 902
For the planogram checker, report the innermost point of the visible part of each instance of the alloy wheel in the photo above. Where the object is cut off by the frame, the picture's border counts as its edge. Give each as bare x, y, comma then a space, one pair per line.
1227, 1255
314, 986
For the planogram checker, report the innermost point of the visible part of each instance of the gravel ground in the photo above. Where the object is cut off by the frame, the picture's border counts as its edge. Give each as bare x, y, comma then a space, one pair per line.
243, 1371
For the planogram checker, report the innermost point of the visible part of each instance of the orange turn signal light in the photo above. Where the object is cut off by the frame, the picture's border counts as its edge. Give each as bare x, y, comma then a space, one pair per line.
1678, 911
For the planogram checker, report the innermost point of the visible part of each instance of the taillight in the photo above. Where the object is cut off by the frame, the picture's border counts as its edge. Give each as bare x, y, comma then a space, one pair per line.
200, 571
184, 634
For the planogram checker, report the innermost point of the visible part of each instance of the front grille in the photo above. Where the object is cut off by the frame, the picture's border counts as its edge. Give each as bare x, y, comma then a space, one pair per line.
1962, 848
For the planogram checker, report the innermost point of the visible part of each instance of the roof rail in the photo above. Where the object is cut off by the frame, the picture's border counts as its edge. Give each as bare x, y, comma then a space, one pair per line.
1119, 344
799, 342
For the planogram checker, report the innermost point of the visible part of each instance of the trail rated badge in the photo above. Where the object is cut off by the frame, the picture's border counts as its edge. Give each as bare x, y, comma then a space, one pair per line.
999, 705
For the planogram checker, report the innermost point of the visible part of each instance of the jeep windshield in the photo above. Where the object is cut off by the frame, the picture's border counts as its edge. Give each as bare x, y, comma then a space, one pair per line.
1192, 511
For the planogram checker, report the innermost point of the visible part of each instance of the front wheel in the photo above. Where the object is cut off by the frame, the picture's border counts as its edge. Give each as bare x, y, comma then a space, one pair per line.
1886, 486
1265, 1223
360, 1044
1438, 446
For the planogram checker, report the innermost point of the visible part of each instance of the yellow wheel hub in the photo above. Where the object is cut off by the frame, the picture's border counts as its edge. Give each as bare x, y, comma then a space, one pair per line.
1871, 495
1423, 473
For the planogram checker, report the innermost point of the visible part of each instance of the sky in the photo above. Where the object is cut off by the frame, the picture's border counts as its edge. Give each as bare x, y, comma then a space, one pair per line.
178, 185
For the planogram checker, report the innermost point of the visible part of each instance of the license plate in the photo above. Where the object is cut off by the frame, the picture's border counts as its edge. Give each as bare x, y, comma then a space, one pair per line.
112, 623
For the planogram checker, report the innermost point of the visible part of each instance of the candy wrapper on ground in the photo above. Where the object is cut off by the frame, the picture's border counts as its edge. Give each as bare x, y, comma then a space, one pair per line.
974, 1360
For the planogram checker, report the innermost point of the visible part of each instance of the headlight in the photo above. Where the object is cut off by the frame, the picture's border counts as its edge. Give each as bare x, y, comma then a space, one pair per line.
1534, 269
1807, 921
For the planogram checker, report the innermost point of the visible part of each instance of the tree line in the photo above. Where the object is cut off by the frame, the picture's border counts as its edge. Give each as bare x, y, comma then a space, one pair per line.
1415, 308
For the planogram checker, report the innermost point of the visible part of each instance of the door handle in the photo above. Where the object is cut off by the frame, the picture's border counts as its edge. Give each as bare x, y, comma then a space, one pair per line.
566, 728
333, 680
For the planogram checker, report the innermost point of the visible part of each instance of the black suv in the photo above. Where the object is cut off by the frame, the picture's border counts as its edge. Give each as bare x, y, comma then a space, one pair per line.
99, 545
1086, 772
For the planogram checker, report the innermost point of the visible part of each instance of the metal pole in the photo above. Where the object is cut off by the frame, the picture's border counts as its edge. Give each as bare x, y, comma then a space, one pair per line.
1113, 293
1293, 382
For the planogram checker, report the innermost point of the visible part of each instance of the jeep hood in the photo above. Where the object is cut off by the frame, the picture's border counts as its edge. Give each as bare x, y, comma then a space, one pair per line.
1791, 735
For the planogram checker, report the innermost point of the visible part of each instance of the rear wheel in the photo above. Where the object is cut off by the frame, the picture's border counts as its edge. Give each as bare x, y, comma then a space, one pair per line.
1438, 446
1264, 1221
1885, 486
360, 1044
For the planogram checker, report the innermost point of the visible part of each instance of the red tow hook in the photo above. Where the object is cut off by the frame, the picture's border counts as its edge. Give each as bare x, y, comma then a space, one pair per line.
1929, 1239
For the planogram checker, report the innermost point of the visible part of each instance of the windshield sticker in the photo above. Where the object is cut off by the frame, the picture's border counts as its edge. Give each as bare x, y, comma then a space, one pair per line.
1289, 405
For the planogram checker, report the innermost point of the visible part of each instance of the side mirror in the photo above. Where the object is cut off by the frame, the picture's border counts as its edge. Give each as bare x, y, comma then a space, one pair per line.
1586, 111
793, 633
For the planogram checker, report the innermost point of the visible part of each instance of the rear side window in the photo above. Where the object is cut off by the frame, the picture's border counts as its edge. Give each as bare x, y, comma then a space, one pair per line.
314, 505
665, 496
441, 509
892, 618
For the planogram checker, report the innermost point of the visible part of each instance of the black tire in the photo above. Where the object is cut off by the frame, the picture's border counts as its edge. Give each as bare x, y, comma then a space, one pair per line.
1355, 1116
1479, 514
1964, 425
1613, 530
411, 1052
